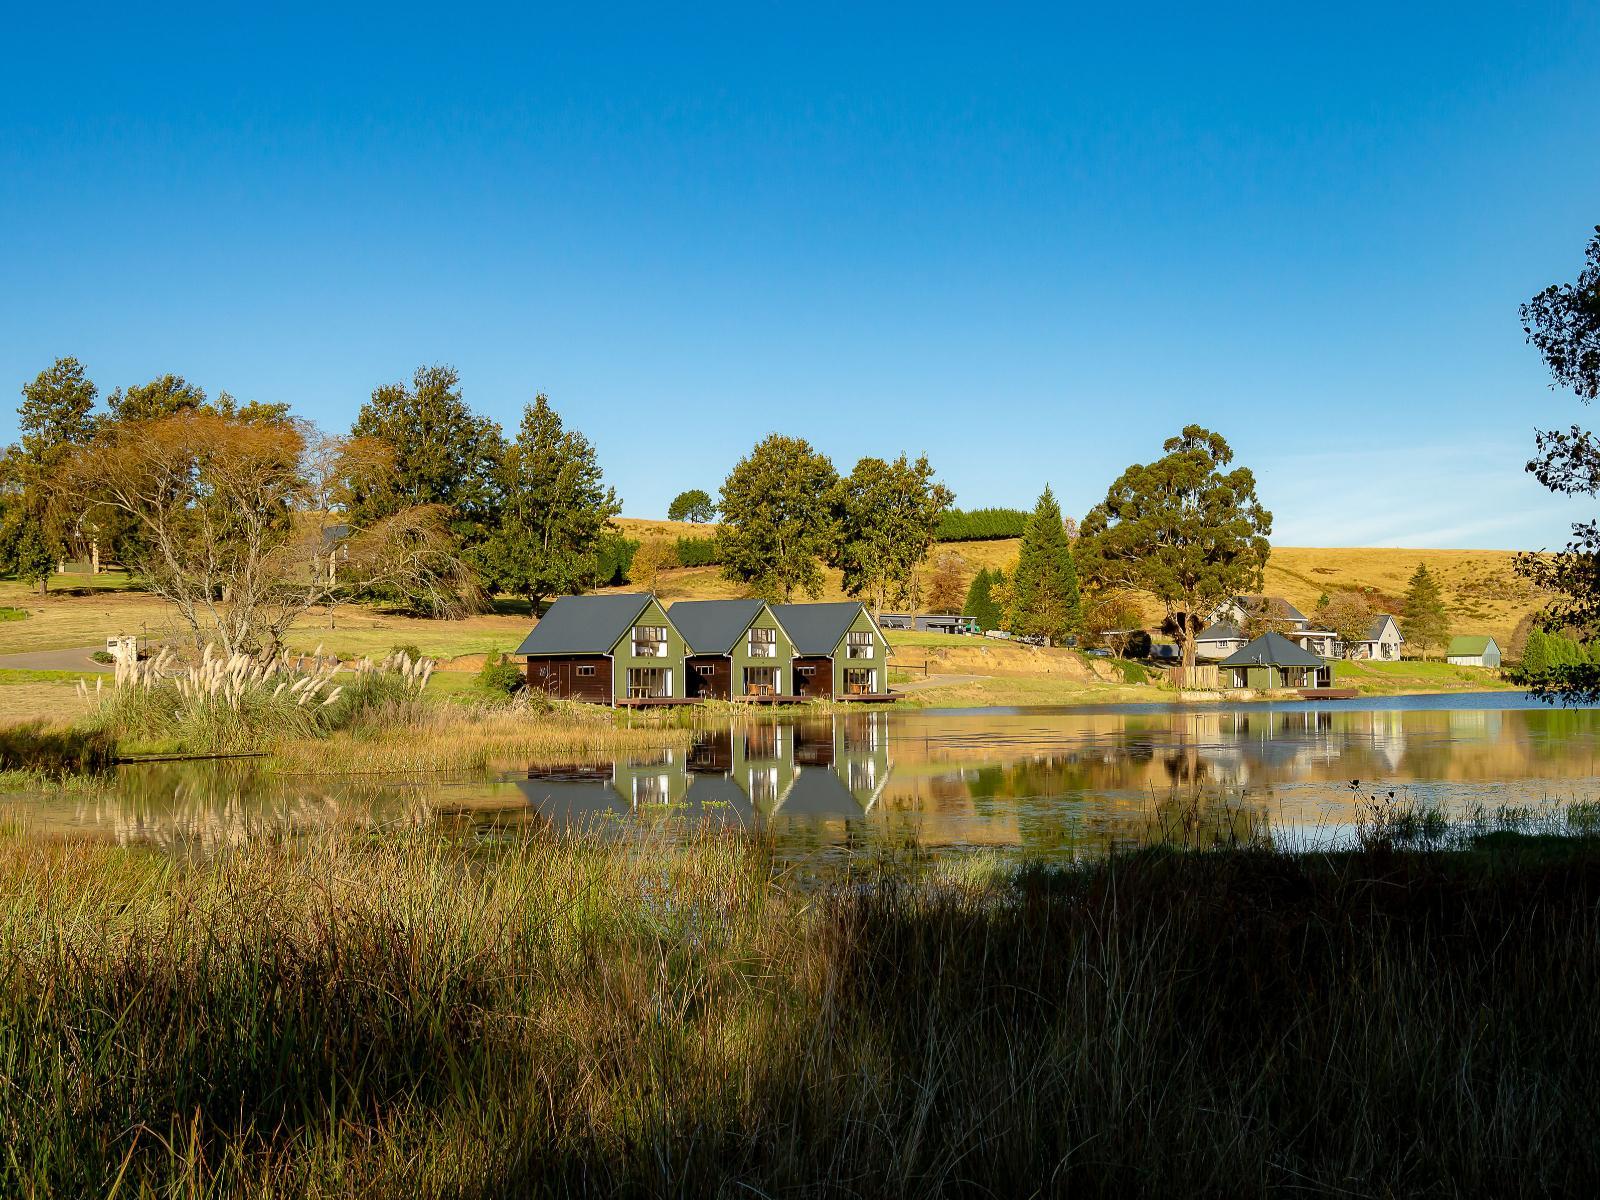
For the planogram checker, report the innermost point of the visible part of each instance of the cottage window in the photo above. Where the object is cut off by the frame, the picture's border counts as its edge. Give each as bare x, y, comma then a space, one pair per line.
584, 672
761, 681
649, 641
858, 645
705, 669
763, 643
649, 683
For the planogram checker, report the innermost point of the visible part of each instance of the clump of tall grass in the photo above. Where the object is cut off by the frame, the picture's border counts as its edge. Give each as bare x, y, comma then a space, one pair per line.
237, 702
35, 755
341, 1016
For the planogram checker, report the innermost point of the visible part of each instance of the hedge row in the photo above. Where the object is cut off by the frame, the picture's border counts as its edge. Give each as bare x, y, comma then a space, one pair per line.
981, 524
698, 552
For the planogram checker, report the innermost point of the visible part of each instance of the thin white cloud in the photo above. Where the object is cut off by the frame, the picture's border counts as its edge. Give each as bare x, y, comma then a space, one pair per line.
1466, 495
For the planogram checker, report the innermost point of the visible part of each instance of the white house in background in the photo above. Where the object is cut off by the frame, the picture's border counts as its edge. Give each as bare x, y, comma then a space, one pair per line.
1226, 630
1218, 640
1383, 640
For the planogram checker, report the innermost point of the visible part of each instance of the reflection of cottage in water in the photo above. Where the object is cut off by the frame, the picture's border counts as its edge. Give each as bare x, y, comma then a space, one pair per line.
822, 769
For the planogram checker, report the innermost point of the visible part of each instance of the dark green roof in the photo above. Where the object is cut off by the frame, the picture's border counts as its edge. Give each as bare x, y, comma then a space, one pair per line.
1271, 650
1470, 645
816, 628
585, 624
713, 626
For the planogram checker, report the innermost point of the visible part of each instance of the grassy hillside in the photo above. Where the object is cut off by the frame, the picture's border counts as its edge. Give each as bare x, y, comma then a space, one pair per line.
1482, 592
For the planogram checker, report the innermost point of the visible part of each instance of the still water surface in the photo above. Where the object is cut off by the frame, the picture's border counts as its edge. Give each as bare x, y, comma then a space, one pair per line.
1055, 783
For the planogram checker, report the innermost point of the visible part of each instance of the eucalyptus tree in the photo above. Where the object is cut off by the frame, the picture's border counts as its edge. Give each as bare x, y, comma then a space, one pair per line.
1182, 529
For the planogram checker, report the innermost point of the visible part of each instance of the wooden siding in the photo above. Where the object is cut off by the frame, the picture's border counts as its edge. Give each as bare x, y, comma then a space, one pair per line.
712, 686
819, 684
558, 676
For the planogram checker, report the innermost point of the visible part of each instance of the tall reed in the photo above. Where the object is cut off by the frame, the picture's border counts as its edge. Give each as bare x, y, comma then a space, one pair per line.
336, 1016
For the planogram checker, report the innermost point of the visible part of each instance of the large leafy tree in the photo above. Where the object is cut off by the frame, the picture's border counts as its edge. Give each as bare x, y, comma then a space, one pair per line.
161, 397
694, 505
1182, 529
1044, 588
1563, 324
554, 510
778, 519
1423, 617
888, 513
443, 456
56, 415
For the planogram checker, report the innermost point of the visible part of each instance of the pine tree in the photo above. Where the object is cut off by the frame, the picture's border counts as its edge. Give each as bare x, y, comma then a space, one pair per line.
554, 511
55, 417
1536, 654
1044, 591
1424, 620
980, 605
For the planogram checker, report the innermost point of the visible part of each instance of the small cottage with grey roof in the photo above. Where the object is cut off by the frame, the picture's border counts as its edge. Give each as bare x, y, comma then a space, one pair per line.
1383, 640
605, 649
1273, 661
838, 649
735, 648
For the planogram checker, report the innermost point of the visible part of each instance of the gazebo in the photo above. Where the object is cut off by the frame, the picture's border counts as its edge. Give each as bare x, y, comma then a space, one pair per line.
1273, 661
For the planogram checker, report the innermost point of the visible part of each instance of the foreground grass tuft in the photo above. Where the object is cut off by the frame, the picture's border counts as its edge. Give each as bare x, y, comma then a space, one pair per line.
344, 1016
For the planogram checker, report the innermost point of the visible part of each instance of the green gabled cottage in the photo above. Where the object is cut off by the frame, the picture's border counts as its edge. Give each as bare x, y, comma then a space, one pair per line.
838, 649
606, 650
1273, 661
735, 648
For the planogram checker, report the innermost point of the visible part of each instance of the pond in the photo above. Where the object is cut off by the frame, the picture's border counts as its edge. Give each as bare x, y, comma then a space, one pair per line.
1053, 783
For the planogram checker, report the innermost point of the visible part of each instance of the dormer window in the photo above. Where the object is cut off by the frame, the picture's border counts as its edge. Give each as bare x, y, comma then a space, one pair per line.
649, 641
763, 643
858, 644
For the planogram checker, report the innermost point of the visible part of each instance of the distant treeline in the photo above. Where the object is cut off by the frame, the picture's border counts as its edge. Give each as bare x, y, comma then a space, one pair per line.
981, 525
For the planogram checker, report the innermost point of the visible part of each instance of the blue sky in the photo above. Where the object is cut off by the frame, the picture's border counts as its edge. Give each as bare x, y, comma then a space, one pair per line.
1030, 242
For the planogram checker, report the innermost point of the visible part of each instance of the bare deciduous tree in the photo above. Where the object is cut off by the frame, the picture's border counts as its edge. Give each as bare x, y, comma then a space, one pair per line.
237, 523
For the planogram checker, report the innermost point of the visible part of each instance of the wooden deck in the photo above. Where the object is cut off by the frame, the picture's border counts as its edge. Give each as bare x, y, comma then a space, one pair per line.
1328, 693
681, 701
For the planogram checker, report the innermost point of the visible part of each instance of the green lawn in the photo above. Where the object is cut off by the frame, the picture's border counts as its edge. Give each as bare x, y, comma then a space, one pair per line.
1410, 675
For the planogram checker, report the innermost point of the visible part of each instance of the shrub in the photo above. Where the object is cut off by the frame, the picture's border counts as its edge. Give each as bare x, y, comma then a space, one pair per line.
408, 649
499, 674
13, 614
1132, 672
698, 552
612, 560
980, 525
103, 656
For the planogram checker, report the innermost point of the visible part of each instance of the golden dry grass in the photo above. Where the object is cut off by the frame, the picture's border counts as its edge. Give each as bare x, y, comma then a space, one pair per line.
1483, 595
439, 738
